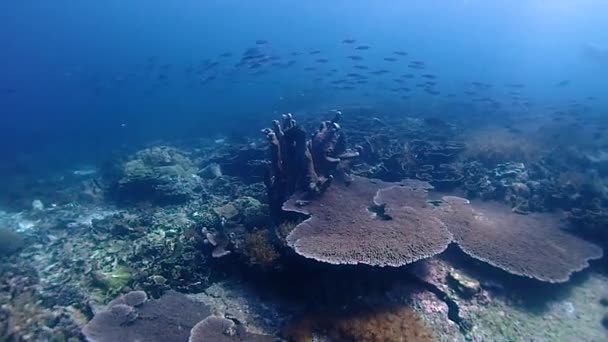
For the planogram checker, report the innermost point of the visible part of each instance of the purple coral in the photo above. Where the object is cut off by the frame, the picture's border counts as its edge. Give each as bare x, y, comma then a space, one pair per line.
342, 230
532, 245
219, 329
168, 318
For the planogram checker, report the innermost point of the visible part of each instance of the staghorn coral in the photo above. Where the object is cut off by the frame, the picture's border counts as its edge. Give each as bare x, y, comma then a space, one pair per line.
527, 245
301, 165
397, 323
342, 230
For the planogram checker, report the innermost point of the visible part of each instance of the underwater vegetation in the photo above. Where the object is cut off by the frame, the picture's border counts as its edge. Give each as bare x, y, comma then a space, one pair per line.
372, 324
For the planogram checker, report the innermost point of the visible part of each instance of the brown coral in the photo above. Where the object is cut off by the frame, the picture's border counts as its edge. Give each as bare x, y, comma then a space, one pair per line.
260, 250
301, 165
532, 245
397, 323
342, 230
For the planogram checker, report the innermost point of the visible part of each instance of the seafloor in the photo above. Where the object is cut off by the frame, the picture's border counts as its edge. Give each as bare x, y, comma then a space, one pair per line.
194, 217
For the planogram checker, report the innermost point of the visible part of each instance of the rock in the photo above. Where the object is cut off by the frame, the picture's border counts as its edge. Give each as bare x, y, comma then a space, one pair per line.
37, 205
228, 211
466, 286
211, 171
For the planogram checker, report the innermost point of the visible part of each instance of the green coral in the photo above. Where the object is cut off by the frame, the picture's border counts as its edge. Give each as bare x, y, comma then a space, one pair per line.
252, 211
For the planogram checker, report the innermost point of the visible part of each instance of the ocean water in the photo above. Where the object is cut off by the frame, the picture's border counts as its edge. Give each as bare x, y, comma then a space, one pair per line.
85, 85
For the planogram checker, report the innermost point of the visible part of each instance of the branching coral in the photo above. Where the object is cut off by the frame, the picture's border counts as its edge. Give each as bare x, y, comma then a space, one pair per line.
301, 165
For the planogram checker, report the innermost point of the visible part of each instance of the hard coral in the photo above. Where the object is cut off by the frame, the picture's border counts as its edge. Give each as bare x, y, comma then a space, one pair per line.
301, 165
159, 174
10, 242
362, 325
259, 250
532, 245
219, 329
495, 146
342, 230
168, 318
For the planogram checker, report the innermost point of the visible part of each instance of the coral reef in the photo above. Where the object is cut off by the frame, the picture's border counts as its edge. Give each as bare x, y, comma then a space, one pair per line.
158, 174
301, 165
496, 146
168, 318
10, 241
398, 323
259, 249
398, 235
528, 245
219, 329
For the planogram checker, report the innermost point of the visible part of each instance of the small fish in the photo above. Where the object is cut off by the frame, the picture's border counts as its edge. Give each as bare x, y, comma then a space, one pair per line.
310, 69
362, 47
322, 60
349, 41
361, 67
261, 42
354, 74
226, 54
390, 59
429, 76
563, 83
315, 52
379, 72
355, 57
400, 53
408, 76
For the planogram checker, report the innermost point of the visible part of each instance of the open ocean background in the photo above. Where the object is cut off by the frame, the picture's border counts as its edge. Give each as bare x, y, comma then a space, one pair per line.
74, 84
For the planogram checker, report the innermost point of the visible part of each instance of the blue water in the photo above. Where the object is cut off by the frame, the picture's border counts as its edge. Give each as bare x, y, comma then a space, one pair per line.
76, 80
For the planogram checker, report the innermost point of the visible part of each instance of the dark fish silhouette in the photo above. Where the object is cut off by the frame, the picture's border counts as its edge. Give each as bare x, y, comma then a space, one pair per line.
429, 76
355, 58
261, 42
362, 47
348, 41
563, 83
361, 67
315, 52
408, 76
390, 59
322, 60
226, 54
379, 72
400, 53
309, 69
